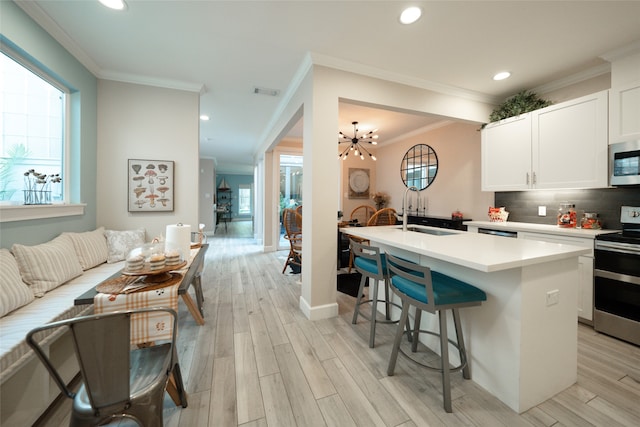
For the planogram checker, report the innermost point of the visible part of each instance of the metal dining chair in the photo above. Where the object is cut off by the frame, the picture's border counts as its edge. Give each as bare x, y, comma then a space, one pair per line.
117, 381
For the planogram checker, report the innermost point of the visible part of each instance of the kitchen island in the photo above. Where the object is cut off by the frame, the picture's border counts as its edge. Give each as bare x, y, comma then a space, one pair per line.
522, 341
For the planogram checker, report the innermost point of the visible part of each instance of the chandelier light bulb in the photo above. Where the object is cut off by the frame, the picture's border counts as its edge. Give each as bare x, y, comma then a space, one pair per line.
356, 141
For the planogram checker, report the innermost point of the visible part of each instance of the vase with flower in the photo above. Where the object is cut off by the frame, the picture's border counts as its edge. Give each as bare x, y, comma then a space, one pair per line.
380, 199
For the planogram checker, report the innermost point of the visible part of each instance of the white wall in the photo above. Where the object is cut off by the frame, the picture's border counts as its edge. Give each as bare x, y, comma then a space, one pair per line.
457, 183
206, 215
144, 122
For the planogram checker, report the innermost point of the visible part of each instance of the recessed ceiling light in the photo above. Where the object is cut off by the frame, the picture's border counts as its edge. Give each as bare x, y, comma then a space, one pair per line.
204, 117
410, 15
502, 75
114, 4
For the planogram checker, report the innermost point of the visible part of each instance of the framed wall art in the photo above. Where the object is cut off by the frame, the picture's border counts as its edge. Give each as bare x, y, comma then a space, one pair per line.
150, 185
358, 183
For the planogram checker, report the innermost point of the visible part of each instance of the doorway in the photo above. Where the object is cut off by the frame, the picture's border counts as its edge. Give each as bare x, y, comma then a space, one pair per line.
290, 189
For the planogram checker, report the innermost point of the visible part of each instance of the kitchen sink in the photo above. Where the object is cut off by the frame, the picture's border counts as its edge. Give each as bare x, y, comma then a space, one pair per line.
432, 231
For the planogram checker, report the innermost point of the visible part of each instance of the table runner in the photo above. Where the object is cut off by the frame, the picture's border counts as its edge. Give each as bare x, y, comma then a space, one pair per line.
145, 327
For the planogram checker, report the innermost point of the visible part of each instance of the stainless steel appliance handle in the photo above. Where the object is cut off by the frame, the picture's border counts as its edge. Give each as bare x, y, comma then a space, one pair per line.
617, 276
625, 248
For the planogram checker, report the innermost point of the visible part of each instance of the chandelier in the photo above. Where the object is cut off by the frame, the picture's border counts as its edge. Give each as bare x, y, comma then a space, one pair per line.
355, 142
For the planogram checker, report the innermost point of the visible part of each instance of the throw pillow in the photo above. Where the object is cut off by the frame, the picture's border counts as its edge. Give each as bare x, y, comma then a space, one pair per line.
120, 243
46, 266
14, 293
91, 247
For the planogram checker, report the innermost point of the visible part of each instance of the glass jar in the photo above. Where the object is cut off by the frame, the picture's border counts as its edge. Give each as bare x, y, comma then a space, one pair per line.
567, 217
590, 221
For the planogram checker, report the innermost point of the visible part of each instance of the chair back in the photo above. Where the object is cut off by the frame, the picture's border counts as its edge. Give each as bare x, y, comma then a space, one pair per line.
368, 258
386, 216
102, 346
292, 221
362, 214
413, 272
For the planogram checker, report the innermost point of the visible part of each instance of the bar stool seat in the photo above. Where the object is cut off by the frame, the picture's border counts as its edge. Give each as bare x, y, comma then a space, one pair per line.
431, 291
372, 264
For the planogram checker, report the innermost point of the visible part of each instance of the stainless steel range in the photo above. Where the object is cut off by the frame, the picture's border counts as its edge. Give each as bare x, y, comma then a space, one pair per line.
617, 279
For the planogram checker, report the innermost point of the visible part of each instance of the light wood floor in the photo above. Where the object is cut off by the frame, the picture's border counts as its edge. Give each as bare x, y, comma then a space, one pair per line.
259, 362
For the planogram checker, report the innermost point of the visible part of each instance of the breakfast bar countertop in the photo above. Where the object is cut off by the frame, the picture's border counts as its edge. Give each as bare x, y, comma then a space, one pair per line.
480, 252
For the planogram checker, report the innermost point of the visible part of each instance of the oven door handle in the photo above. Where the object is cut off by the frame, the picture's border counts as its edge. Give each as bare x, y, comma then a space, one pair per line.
623, 248
617, 276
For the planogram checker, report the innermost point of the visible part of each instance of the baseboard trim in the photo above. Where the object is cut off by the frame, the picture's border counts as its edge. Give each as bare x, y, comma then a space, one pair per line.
325, 311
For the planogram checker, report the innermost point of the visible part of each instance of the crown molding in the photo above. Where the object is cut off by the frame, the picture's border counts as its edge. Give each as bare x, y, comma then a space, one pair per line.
152, 81
621, 52
592, 72
369, 71
36, 13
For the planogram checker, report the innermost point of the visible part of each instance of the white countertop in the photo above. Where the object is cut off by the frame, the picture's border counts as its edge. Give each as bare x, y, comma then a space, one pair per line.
480, 252
538, 228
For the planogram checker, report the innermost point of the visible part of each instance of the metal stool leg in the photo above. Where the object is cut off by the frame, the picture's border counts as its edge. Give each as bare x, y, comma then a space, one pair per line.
416, 330
444, 361
466, 372
358, 299
404, 318
374, 310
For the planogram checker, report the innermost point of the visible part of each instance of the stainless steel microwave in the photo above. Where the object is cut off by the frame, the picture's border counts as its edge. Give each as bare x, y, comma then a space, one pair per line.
624, 163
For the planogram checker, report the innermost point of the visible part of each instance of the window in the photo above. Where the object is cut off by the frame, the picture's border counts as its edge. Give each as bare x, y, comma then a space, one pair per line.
32, 133
244, 199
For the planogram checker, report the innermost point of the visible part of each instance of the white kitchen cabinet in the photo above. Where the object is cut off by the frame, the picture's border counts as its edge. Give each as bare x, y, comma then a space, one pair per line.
585, 270
624, 112
506, 154
560, 146
624, 108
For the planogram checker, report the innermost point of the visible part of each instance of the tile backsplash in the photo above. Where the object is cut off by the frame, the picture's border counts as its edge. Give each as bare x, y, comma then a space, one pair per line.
523, 205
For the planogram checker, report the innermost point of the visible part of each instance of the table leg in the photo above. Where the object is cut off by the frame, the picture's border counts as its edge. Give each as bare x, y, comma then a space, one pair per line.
193, 309
197, 286
174, 393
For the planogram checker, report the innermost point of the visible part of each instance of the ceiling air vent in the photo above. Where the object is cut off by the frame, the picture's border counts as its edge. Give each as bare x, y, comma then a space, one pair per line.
265, 91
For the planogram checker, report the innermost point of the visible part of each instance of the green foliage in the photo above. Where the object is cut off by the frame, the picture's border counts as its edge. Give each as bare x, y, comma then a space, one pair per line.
16, 154
520, 103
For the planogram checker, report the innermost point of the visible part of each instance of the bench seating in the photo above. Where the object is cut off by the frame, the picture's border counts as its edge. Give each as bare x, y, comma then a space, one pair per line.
26, 390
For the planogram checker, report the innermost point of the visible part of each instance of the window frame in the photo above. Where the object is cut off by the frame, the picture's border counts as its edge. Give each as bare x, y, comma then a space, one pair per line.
14, 211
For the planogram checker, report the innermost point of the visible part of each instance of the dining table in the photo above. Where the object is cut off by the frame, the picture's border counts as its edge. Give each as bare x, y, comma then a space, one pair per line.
138, 294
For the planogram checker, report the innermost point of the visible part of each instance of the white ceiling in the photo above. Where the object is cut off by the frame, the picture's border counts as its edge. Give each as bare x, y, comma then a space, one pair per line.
226, 48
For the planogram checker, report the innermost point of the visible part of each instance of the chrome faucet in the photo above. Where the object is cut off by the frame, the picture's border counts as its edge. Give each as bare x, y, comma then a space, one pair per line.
404, 206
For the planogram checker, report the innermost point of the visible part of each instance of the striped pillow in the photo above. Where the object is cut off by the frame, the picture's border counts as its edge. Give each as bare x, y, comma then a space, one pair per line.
46, 266
91, 247
14, 293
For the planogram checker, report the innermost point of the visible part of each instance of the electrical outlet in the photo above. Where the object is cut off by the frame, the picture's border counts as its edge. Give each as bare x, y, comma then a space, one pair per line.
553, 297
542, 211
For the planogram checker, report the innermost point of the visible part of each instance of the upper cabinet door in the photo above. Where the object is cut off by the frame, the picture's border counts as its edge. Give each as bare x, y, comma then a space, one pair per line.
624, 113
506, 154
570, 142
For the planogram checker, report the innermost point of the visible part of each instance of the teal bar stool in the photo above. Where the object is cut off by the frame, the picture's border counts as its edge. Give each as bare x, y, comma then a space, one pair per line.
418, 286
372, 264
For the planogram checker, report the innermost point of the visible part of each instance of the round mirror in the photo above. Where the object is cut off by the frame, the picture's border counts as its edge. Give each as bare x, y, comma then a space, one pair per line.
419, 166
